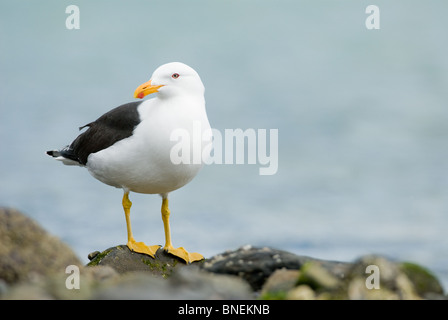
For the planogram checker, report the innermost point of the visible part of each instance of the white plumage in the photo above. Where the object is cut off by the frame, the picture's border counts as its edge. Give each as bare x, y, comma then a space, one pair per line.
141, 163
130, 146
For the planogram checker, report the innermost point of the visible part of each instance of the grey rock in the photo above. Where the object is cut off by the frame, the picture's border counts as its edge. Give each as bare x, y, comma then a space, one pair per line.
28, 251
301, 292
187, 283
283, 275
162, 277
395, 281
92, 255
54, 287
280, 282
123, 260
255, 265
425, 282
33, 265
317, 277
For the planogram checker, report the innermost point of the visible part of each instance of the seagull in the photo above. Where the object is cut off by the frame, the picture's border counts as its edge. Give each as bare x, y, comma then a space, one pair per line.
130, 147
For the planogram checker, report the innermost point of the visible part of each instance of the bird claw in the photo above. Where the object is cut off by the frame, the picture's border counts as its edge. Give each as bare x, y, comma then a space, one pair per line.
140, 247
184, 254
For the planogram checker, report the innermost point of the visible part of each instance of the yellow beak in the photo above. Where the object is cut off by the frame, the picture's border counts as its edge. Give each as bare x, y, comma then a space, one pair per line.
145, 89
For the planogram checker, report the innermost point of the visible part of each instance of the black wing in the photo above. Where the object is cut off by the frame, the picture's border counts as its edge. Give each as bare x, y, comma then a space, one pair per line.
113, 126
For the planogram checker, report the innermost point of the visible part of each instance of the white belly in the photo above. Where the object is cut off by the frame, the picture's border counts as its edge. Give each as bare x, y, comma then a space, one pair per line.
142, 162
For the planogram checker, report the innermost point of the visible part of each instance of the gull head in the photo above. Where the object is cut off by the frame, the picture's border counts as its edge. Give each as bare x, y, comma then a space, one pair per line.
172, 79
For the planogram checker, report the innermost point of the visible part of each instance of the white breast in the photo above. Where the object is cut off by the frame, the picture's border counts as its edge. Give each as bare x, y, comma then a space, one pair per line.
142, 163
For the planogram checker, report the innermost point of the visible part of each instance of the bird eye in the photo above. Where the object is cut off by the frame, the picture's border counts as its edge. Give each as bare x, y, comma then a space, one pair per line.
175, 75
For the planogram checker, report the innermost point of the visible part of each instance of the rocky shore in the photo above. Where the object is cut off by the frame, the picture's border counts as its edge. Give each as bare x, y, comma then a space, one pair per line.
37, 265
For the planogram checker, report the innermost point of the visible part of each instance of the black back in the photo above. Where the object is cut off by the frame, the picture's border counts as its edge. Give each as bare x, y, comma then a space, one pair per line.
113, 126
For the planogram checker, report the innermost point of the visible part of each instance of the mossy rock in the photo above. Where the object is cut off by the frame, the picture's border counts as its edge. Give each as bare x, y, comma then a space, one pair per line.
123, 260
317, 277
425, 282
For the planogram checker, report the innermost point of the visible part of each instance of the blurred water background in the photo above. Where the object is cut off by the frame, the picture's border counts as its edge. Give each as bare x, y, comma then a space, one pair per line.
362, 119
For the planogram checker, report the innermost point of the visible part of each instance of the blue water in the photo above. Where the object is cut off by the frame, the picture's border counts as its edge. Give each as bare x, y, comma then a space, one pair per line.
361, 116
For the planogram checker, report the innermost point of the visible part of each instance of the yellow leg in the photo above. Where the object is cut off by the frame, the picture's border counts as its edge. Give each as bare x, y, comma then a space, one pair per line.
178, 252
133, 245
